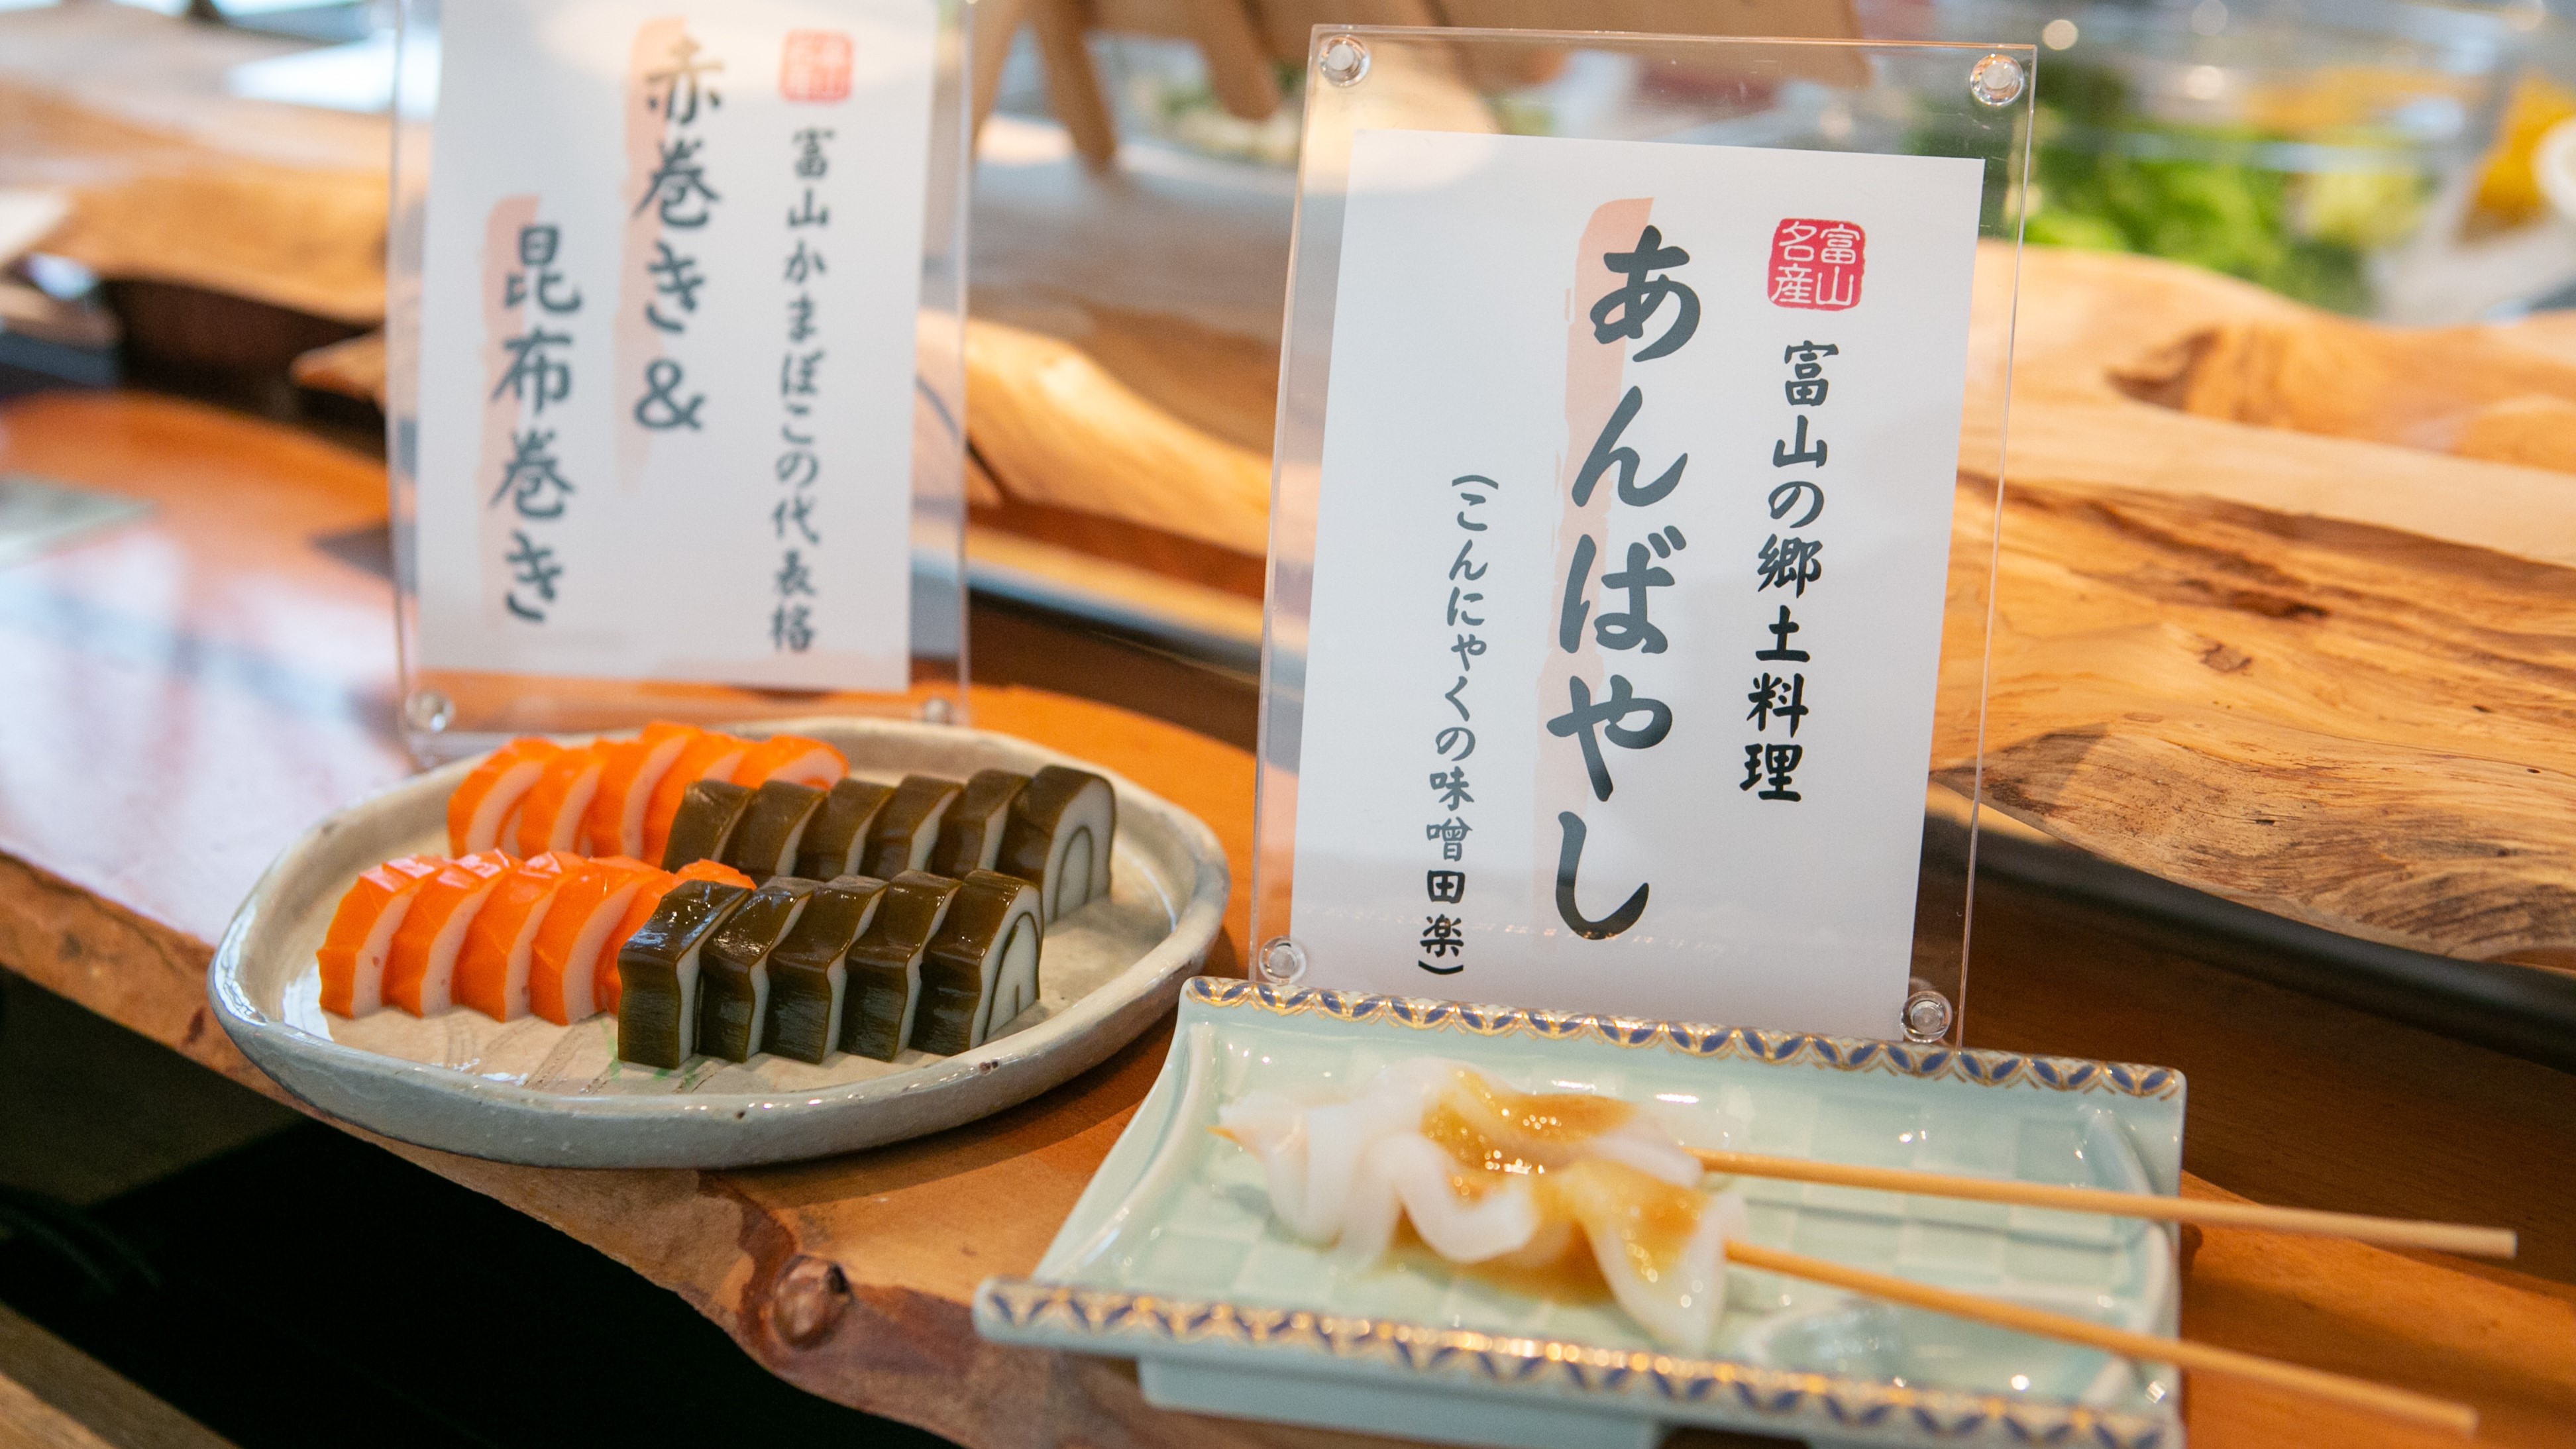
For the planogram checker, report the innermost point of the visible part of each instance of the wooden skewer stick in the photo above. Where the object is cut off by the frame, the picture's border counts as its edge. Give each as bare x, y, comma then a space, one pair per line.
2394, 1232
2200, 1357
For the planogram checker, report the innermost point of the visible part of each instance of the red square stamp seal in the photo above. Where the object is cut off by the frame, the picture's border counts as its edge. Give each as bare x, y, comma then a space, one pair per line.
1817, 264
816, 66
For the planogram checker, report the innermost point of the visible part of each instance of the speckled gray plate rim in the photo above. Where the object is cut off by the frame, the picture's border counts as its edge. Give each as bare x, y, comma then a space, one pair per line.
1169, 894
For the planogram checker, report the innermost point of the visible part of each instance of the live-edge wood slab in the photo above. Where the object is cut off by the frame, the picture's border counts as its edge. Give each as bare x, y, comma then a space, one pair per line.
178, 699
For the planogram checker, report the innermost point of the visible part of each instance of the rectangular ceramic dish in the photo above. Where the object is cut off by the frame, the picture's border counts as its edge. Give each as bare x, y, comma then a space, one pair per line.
1171, 1256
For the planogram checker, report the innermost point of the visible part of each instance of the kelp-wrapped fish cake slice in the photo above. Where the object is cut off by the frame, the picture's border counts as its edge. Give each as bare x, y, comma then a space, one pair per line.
710, 813
970, 837
733, 972
1059, 837
885, 964
836, 842
908, 826
773, 829
982, 968
657, 968
809, 971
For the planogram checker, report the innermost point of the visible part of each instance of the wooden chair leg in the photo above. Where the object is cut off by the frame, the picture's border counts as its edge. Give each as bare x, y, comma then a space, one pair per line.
997, 24
1073, 87
1238, 72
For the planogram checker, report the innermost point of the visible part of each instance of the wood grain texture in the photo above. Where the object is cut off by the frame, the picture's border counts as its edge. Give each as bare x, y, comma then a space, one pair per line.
28, 1422
2372, 1314
354, 368
2325, 374
220, 636
113, 884
2087, 319
2303, 655
2292, 1100
57, 1397
2280, 646
2348, 725
236, 674
163, 205
849, 1276
1050, 423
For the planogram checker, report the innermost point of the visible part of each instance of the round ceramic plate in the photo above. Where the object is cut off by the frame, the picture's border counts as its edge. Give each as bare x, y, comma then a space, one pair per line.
530, 1091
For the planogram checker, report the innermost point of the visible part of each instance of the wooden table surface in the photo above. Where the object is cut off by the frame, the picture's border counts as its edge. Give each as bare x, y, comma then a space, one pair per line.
179, 698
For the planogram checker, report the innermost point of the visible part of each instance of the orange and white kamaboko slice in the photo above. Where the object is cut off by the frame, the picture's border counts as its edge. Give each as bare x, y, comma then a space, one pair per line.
420, 970
605, 984
488, 799
492, 967
715, 871
563, 970
708, 757
352, 957
615, 825
552, 813
792, 758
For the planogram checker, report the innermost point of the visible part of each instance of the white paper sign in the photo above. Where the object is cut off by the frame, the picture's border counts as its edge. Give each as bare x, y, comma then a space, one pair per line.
1631, 542
671, 274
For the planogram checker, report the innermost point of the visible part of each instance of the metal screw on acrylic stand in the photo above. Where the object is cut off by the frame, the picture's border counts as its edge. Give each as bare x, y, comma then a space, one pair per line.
1344, 60
1282, 962
1926, 1015
1996, 80
429, 711
938, 710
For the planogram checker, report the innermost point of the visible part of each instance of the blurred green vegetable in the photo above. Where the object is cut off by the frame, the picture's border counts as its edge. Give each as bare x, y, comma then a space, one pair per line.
2114, 180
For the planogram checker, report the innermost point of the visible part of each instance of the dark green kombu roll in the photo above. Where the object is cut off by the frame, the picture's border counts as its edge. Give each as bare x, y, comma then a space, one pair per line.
885, 964
809, 970
970, 836
772, 829
733, 970
908, 826
1059, 838
710, 812
657, 970
836, 842
981, 970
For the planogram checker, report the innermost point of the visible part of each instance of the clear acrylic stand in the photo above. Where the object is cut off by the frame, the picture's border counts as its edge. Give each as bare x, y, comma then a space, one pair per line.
447, 712
1803, 96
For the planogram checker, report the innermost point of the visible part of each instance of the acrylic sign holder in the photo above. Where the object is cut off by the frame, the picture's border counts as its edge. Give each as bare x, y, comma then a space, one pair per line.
1808, 96
446, 713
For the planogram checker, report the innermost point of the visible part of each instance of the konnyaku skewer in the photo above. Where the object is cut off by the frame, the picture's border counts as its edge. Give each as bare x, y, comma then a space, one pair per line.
2391, 1232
